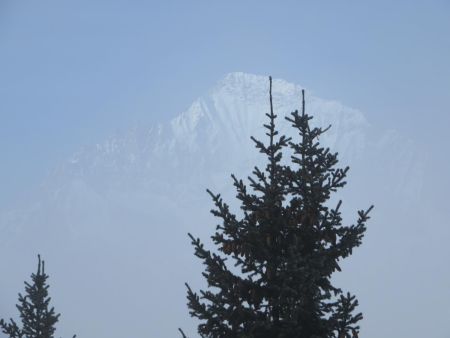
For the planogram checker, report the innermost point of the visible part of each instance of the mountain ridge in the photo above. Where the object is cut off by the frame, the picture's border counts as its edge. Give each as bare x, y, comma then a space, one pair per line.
118, 211
229, 111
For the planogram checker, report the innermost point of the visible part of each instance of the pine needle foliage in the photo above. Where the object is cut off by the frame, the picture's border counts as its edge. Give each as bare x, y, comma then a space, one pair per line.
287, 245
38, 318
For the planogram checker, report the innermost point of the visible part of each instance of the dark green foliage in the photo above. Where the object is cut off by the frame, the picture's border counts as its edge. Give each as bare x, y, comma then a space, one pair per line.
287, 245
38, 319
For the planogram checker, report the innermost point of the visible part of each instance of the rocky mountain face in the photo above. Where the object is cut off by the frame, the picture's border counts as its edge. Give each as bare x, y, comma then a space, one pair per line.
111, 221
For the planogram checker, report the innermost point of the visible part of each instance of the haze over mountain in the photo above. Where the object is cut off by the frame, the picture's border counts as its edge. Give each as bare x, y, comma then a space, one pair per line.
111, 220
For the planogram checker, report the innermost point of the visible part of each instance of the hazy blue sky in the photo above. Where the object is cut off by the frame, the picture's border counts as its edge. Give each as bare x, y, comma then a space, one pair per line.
72, 72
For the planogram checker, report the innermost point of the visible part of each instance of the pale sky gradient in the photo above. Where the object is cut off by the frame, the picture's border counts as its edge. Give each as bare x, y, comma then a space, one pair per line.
73, 72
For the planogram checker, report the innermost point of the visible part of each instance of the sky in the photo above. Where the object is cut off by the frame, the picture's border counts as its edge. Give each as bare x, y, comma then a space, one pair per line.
74, 72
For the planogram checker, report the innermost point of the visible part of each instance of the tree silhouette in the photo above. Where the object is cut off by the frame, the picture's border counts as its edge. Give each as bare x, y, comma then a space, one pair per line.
38, 318
287, 245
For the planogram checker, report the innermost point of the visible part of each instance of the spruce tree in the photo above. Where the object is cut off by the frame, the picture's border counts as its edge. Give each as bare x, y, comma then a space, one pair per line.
286, 246
38, 318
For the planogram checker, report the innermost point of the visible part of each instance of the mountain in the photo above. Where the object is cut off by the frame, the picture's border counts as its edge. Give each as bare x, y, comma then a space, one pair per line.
111, 220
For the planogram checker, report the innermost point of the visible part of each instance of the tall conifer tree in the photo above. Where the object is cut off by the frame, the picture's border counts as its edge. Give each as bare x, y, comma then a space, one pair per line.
287, 245
38, 318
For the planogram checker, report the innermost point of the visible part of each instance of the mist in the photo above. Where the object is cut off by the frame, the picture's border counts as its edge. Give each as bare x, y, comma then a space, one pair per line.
112, 220
116, 118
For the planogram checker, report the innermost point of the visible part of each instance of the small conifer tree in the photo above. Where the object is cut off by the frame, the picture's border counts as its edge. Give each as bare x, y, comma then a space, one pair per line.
287, 245
38, 318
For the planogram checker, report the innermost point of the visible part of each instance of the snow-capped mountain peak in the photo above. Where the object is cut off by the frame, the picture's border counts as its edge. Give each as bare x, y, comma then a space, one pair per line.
122, 207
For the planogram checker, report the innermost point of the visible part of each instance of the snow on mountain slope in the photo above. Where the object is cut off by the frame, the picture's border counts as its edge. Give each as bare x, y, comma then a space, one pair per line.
212, 137
119, 211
